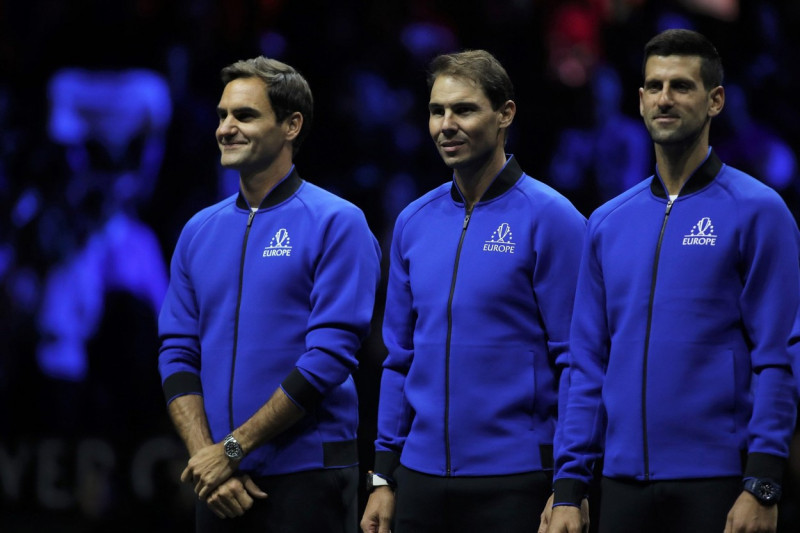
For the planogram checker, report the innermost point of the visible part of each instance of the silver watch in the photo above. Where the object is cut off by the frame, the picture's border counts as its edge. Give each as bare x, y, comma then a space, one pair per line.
232, 448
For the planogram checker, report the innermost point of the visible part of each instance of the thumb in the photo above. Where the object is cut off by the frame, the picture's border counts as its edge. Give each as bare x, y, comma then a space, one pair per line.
253, 489
544, 521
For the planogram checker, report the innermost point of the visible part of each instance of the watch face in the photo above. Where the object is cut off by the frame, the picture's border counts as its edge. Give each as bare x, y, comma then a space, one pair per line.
767, 491
233, 449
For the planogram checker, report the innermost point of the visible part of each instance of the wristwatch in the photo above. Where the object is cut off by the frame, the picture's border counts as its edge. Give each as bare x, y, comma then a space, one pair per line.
374, 481
232, 448
766, 491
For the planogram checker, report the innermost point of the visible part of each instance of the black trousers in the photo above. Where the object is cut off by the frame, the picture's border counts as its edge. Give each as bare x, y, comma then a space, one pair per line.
492, 504
683, 506
316, 500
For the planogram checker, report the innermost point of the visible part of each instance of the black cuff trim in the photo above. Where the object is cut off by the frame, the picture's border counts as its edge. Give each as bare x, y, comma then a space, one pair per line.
386, 463
569, 491
301, 391
339, 453
181, 383
764, 465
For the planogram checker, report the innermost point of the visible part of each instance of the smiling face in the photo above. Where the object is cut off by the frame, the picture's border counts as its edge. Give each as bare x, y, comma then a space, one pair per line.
466, 130
249, 137
674, 103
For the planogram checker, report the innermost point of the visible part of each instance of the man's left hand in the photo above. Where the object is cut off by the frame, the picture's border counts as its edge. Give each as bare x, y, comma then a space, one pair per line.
207, 469
749, 516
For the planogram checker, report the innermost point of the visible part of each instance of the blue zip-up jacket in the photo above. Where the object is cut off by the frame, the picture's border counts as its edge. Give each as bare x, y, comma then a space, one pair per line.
681, 334
476, 325
279, 297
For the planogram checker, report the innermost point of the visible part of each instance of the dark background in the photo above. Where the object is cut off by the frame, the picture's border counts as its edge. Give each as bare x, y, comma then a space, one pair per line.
91, 215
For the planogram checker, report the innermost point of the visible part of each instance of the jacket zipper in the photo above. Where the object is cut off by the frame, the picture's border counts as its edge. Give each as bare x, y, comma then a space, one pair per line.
447, 345
647, 342
236, 319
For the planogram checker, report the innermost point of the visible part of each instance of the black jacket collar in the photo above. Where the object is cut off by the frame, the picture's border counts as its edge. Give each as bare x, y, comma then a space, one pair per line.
504, 180
701, 177
281, 192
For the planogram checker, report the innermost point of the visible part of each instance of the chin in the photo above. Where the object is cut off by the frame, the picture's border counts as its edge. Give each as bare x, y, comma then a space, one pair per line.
229, 163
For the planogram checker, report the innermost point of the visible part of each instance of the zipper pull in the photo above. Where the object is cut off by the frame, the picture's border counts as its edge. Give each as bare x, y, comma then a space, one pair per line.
466, 219
250, 218
669, 207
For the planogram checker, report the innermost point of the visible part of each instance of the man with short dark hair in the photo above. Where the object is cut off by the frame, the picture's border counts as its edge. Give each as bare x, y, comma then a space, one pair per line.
271, 292
680, 342
481, 283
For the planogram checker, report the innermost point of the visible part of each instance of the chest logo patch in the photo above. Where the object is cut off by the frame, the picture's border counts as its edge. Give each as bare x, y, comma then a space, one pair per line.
702, 234
280, 245
502, 240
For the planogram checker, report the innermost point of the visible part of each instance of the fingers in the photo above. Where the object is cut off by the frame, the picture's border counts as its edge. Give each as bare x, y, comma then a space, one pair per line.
186, 475
729, 522
369, 525
224, 508
230, 499
253, 489
542, 525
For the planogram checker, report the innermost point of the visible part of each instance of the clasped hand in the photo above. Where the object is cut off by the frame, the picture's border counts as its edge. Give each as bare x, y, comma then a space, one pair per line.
207, 470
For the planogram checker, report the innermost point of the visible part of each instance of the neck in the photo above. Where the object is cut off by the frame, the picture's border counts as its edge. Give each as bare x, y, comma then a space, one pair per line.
256, 185
676, 163
473, 182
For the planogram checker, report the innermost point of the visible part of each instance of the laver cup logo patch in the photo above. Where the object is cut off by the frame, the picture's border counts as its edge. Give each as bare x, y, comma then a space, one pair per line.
280, 245
702, 234
502, 240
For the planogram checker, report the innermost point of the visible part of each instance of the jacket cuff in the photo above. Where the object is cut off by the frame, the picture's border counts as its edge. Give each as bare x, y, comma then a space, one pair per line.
764, 465
301, 391
181, 384
569, 491
386, 463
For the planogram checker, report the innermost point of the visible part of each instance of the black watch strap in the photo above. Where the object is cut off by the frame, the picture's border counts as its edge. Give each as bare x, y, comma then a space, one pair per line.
767, 491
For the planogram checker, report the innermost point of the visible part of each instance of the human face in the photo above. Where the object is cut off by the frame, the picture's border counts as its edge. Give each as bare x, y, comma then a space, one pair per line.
466, 130
674, 103
249, 137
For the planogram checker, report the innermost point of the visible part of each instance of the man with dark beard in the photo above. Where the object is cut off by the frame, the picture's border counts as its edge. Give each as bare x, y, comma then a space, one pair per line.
682, 331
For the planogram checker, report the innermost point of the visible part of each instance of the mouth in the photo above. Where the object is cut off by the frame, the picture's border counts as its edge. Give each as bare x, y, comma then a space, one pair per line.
665, 118
450, 146
230, 145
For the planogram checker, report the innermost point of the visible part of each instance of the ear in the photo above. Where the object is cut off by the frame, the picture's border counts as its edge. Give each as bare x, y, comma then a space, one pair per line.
292, 125
641, 102
507, 112
716, 101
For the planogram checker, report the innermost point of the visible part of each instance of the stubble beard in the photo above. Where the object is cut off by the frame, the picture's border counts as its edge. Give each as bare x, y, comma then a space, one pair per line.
681, 136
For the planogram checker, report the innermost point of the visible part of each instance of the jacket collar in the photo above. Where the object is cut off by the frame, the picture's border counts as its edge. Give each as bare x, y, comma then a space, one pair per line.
701, 177
504, 180
279, 193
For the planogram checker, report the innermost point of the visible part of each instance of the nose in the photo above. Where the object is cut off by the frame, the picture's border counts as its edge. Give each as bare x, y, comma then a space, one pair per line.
665, 97
448, 122
226, 127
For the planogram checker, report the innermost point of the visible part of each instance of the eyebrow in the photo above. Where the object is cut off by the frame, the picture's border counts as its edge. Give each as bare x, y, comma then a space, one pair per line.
459, 103
243, 109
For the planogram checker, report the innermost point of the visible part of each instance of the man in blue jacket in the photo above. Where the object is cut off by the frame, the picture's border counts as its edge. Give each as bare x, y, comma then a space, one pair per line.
680, 342
481, 283
271, 292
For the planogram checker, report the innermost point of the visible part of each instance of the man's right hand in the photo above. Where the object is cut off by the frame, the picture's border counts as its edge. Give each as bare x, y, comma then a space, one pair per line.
567, 519
235, 496
379, 511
